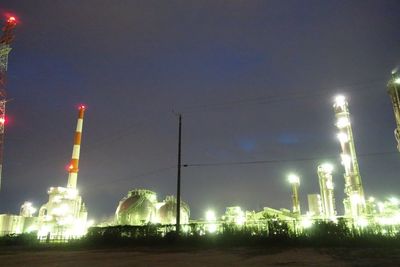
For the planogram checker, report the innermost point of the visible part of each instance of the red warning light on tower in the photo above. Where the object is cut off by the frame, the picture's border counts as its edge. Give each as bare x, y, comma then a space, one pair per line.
12, 20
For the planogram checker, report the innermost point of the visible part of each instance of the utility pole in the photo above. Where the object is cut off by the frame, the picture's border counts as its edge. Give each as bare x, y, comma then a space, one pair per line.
178, 193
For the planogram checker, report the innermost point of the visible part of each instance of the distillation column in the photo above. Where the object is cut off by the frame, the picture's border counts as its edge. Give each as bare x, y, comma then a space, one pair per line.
326, 187
394, 92
354, 203
73, 167
294, 180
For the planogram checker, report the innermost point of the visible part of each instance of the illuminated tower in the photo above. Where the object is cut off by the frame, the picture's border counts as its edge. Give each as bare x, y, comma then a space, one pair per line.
326, 187
394, 92
354, 203
294, 180
73, 167
5, 48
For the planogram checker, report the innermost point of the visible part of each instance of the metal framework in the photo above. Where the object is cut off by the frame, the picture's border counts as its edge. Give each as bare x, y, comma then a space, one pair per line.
5, 47
394, 92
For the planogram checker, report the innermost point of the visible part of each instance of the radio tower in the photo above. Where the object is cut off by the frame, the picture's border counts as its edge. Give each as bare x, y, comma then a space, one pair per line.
394, 92
5, 47
354, 203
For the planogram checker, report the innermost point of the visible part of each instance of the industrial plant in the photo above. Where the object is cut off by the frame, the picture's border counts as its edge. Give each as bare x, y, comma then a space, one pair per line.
65, 215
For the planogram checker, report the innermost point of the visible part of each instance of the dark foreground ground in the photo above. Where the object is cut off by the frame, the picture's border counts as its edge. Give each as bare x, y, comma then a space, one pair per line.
201, 257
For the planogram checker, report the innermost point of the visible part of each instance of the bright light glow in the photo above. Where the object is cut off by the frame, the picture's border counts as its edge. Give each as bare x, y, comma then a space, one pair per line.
210, 216
90, 223
72, 193
211, 228
306, 222
371, 199
2, 120
389, 220
61, 211
343, 122
293, 179
155, 219
340, 100
43, 231
27, 209
329, 185
343, 137
57, 199
31, 229
355, 199
381, 206
362, 222
11, 19
240, 219
327, 167
394, 201
82, 107
397, 80
346, 160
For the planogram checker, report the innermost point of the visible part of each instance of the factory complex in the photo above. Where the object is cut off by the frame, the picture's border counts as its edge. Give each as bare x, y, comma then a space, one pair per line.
65, 215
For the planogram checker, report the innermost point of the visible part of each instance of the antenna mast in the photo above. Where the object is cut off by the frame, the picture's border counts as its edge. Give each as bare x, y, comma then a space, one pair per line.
6, 40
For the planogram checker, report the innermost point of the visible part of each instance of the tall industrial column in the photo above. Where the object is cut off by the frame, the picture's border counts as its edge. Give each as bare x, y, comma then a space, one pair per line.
354, 203
294, 180
394, 93
326, 187
5, 47
74, 165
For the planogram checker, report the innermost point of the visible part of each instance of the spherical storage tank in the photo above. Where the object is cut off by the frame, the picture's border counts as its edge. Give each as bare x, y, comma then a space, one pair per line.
137, 208
167, 211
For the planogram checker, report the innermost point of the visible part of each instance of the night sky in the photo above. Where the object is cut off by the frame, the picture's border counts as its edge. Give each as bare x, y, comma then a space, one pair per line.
255, 80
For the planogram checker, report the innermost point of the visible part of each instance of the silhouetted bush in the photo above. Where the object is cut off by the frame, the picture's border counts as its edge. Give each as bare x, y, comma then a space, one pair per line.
272, 232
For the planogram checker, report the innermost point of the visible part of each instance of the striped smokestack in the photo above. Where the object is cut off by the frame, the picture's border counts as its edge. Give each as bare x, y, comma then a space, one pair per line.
73, 166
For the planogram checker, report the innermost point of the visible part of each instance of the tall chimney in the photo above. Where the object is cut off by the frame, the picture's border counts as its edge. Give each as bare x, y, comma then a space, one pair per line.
73, 166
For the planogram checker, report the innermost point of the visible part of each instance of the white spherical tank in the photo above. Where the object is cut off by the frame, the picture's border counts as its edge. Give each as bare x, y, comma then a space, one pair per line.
137, 208
167, 212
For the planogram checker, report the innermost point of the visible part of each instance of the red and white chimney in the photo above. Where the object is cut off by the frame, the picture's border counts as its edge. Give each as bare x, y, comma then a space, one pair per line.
73, 166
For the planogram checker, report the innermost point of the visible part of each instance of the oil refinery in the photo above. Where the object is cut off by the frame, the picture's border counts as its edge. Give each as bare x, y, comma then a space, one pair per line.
65, 216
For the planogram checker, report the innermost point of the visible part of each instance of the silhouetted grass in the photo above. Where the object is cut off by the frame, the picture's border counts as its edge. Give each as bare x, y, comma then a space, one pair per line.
274, 234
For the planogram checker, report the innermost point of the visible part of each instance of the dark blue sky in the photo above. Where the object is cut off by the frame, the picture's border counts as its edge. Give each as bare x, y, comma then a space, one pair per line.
255, 80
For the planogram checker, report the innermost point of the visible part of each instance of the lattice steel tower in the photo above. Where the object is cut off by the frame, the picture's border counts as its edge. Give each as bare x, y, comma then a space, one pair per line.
394, 93
5, 47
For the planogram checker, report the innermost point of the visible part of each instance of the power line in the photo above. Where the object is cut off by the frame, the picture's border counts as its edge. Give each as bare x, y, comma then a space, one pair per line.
156, 171
232, 163
262, 100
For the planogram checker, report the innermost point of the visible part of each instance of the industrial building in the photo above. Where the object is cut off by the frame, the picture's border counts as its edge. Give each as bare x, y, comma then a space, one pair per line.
64, 216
